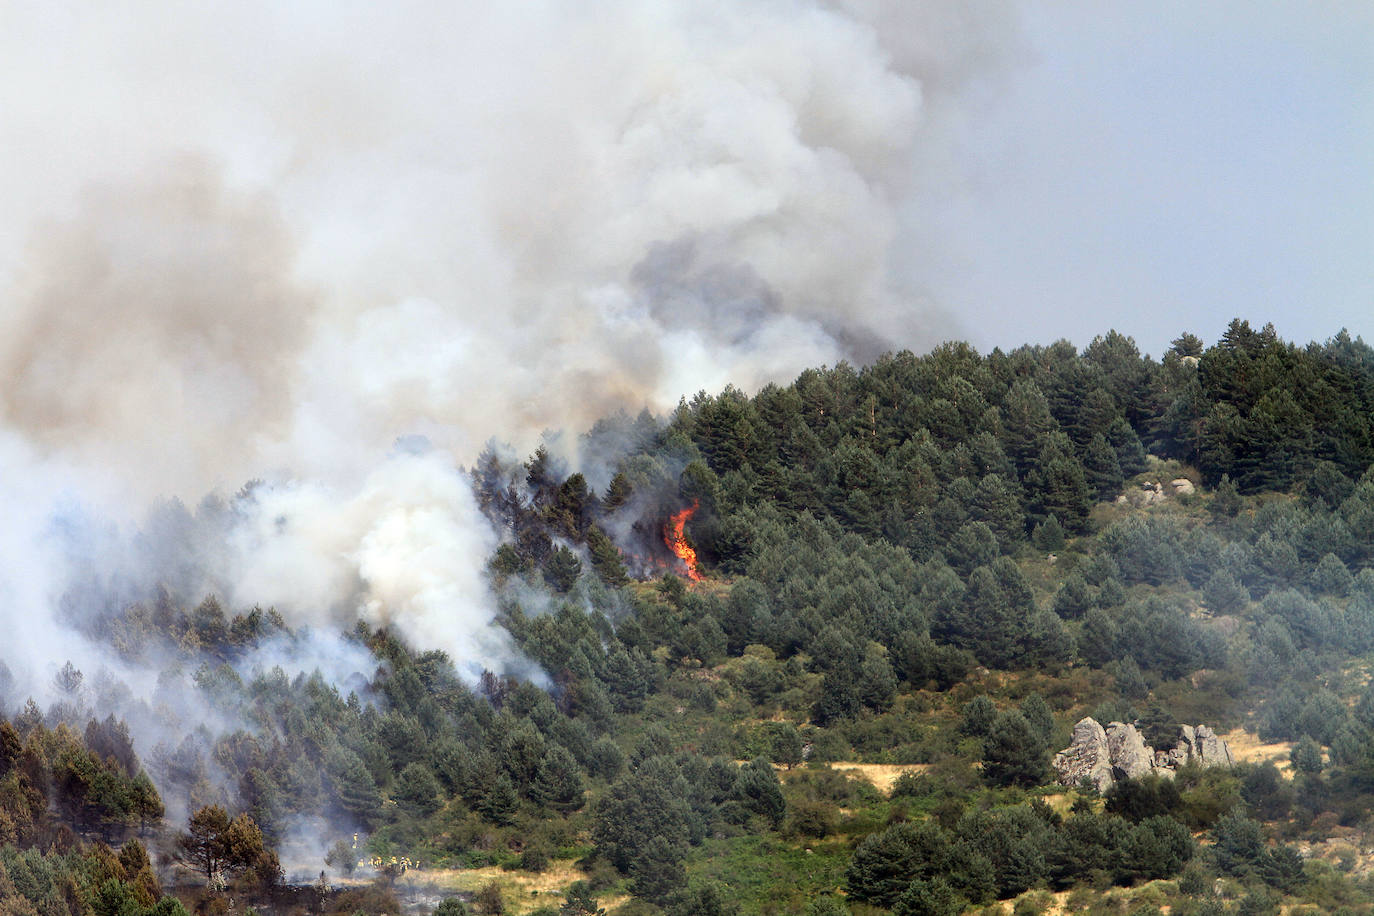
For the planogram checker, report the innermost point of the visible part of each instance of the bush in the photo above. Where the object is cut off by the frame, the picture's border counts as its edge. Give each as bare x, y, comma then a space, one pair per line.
928, 898
1195, 881
342, 857
811, 819
489, 899
827, 905
534, 859
1032, 903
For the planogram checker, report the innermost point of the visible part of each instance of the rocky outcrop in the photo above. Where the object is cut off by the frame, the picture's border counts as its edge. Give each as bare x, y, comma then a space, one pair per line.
1148, 494
1104, 755
1200, 744
1178, 755
1153, 492
1210, 749
1087, 757
1131, 757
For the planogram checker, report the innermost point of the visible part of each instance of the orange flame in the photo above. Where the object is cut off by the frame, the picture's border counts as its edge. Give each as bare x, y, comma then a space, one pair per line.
676, 539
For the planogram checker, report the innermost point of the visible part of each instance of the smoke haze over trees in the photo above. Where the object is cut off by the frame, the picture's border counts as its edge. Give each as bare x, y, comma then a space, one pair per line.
258, 270
389, 228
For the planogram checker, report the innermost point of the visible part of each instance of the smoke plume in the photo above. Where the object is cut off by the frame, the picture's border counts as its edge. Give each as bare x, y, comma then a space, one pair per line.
251, 241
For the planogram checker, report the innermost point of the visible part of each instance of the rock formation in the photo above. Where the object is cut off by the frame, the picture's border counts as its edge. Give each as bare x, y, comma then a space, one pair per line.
1103, 756
1086, 757
1153, 492
1130, 756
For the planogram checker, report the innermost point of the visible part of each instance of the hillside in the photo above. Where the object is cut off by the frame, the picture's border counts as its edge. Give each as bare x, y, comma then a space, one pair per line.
805, 651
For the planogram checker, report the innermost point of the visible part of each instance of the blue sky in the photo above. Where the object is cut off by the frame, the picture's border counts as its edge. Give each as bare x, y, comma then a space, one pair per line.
1165, 167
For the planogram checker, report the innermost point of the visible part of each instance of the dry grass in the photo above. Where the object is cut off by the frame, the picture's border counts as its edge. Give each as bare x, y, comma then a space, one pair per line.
1061, 803
1060, 905
880, 775
522, 891
1247, 747
1347, 852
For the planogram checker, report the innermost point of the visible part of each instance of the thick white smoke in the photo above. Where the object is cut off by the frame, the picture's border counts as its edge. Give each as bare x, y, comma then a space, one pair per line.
404, 549
255, 240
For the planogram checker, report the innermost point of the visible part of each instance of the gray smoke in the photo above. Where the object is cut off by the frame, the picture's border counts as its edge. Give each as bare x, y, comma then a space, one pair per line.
265, 242
155, 331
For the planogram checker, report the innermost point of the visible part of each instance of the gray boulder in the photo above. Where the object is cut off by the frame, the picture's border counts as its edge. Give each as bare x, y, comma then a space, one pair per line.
1130, 756
1210, 749
1087, 757
1180, 753
1200, 744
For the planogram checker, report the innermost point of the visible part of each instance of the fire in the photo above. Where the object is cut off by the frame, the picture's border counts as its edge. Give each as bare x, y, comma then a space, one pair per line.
676, 539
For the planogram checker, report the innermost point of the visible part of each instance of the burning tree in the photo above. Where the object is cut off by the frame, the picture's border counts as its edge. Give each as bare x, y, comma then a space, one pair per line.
675, 536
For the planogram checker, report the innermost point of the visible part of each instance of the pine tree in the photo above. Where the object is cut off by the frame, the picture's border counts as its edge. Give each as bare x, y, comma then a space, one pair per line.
977, 716
417, 791
1014, 752
1130, 454
1073, 598
997, 504
1306, 756
646, 803
928, 898
1059, 487
658, 871
558, 783
1049, 535
884, 864
580, 901
606, 558
204, 844
757, 788
1025, 419
1037, 712
147, 804
499, 802
562, 569
353, 785
1223, 594
1102, 468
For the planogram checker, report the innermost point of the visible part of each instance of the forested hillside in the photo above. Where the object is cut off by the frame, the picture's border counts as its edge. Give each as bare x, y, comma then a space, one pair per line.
805, 651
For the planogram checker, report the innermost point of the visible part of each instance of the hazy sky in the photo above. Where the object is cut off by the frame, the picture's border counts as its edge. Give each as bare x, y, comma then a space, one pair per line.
1166, 166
